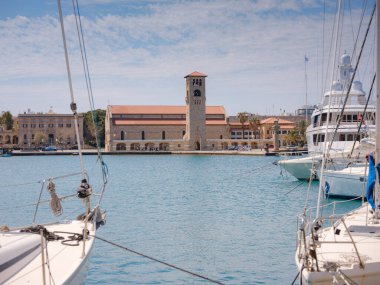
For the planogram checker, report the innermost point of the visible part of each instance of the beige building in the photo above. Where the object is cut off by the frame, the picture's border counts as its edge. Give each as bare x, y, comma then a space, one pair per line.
38, 129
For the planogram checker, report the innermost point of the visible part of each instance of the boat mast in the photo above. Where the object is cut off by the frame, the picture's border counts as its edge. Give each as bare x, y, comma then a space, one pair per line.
73, 105
377, 152
306, 108
324, 152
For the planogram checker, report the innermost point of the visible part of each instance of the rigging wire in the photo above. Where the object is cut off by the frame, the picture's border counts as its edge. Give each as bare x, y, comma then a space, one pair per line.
363, 114
159, 261
82, 45
350, 85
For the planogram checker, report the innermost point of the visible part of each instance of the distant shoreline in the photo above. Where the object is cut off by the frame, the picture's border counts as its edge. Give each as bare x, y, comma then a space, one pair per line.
94, 152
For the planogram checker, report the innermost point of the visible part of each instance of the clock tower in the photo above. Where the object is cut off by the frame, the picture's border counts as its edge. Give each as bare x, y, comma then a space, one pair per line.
195, 136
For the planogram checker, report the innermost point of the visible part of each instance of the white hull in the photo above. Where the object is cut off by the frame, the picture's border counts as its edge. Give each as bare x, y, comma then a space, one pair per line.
64, 263
346, 183
302, 168
336, 256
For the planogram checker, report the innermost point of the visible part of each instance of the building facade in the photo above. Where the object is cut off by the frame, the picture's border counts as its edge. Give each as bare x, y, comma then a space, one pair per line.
194, 126
38, 129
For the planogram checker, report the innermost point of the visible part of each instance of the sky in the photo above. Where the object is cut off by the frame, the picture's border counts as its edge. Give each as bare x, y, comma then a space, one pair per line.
139, 51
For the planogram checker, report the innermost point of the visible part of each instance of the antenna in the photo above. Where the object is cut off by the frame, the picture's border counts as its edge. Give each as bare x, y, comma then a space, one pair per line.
306, 61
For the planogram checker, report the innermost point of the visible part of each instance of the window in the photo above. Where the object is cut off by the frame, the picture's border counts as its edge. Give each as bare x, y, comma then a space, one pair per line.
33, 125
41, 126
122, 135
25, 137
24, 125
143, 135
221, 137
60, 125
68, 125
51, 125
350, 137
342, 137
183, 133
33, 137
163, 135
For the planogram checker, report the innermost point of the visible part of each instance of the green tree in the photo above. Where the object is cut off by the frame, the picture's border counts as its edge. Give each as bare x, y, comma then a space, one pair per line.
292, 137
40, 138
90, 131
7, 120
243, 118
254, 124
301, 128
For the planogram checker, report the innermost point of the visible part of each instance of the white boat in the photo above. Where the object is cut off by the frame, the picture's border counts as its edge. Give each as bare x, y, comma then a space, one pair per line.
308, 167
352, 116
346, 183
343, 249
321, 129
55, 252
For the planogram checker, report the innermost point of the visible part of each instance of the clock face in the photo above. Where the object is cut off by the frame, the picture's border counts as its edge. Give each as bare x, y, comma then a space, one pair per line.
197, 93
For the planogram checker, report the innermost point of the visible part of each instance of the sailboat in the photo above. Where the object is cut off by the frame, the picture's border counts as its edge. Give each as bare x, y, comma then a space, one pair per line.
347, 250
55, 252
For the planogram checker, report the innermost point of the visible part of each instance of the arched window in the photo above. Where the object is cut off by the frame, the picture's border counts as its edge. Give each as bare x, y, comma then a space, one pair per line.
193, 81
163, 135
196, 82
183, 133
221, 137
143, 135
122, 135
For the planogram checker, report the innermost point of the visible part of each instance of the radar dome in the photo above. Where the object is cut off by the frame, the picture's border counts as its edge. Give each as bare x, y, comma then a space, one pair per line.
345, 59
336, 86
357, 85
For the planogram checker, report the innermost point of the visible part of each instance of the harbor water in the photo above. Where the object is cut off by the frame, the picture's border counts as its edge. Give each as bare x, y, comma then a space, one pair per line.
230, 218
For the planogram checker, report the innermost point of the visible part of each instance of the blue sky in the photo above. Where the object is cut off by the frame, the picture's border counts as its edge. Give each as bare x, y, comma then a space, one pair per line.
139, 52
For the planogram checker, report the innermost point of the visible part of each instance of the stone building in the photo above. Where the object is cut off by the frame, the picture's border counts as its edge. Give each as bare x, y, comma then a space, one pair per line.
194, 126
38, 129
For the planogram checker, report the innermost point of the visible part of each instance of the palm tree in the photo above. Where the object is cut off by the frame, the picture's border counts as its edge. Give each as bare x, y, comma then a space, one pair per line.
243, 118
292, 137
254, 124
301, 128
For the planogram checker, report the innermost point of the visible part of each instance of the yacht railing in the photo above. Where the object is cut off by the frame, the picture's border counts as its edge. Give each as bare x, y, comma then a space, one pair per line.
308, 229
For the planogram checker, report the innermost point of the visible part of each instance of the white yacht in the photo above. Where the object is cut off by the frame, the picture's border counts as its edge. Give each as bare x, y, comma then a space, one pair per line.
327, 114
325, 119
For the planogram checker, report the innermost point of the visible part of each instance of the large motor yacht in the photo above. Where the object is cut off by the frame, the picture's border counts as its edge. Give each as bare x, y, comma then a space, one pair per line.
324, 122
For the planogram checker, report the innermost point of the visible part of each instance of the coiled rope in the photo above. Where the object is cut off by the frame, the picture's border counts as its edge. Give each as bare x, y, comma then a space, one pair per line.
159, 261
55, 202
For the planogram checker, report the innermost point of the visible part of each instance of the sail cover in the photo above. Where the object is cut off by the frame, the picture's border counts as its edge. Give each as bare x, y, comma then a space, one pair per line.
371, 180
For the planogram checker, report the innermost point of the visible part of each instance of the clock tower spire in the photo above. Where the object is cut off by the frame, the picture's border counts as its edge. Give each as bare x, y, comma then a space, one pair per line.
195, 136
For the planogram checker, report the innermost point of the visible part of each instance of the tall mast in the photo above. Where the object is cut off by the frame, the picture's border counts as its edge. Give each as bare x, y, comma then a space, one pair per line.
377, 152
73, 105
306, 60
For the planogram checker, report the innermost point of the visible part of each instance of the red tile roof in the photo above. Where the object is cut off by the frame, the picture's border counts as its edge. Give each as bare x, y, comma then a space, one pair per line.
163, 123
137, 109
196, 74
272, 119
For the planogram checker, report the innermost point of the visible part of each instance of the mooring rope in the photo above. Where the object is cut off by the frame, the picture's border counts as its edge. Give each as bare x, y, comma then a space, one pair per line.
55, 203
159, 261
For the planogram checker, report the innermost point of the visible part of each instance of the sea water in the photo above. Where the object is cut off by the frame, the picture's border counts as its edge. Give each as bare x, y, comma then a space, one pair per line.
231, 218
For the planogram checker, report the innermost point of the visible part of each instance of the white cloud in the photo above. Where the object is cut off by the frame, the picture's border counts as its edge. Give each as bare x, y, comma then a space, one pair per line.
254, 60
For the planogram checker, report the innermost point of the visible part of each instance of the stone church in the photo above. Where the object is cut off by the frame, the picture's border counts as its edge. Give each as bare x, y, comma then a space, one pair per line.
193, 126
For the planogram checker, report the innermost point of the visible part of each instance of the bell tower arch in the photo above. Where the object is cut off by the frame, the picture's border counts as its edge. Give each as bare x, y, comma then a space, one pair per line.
195, 135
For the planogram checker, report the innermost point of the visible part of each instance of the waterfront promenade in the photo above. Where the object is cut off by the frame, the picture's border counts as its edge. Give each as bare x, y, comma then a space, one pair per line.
254, 152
